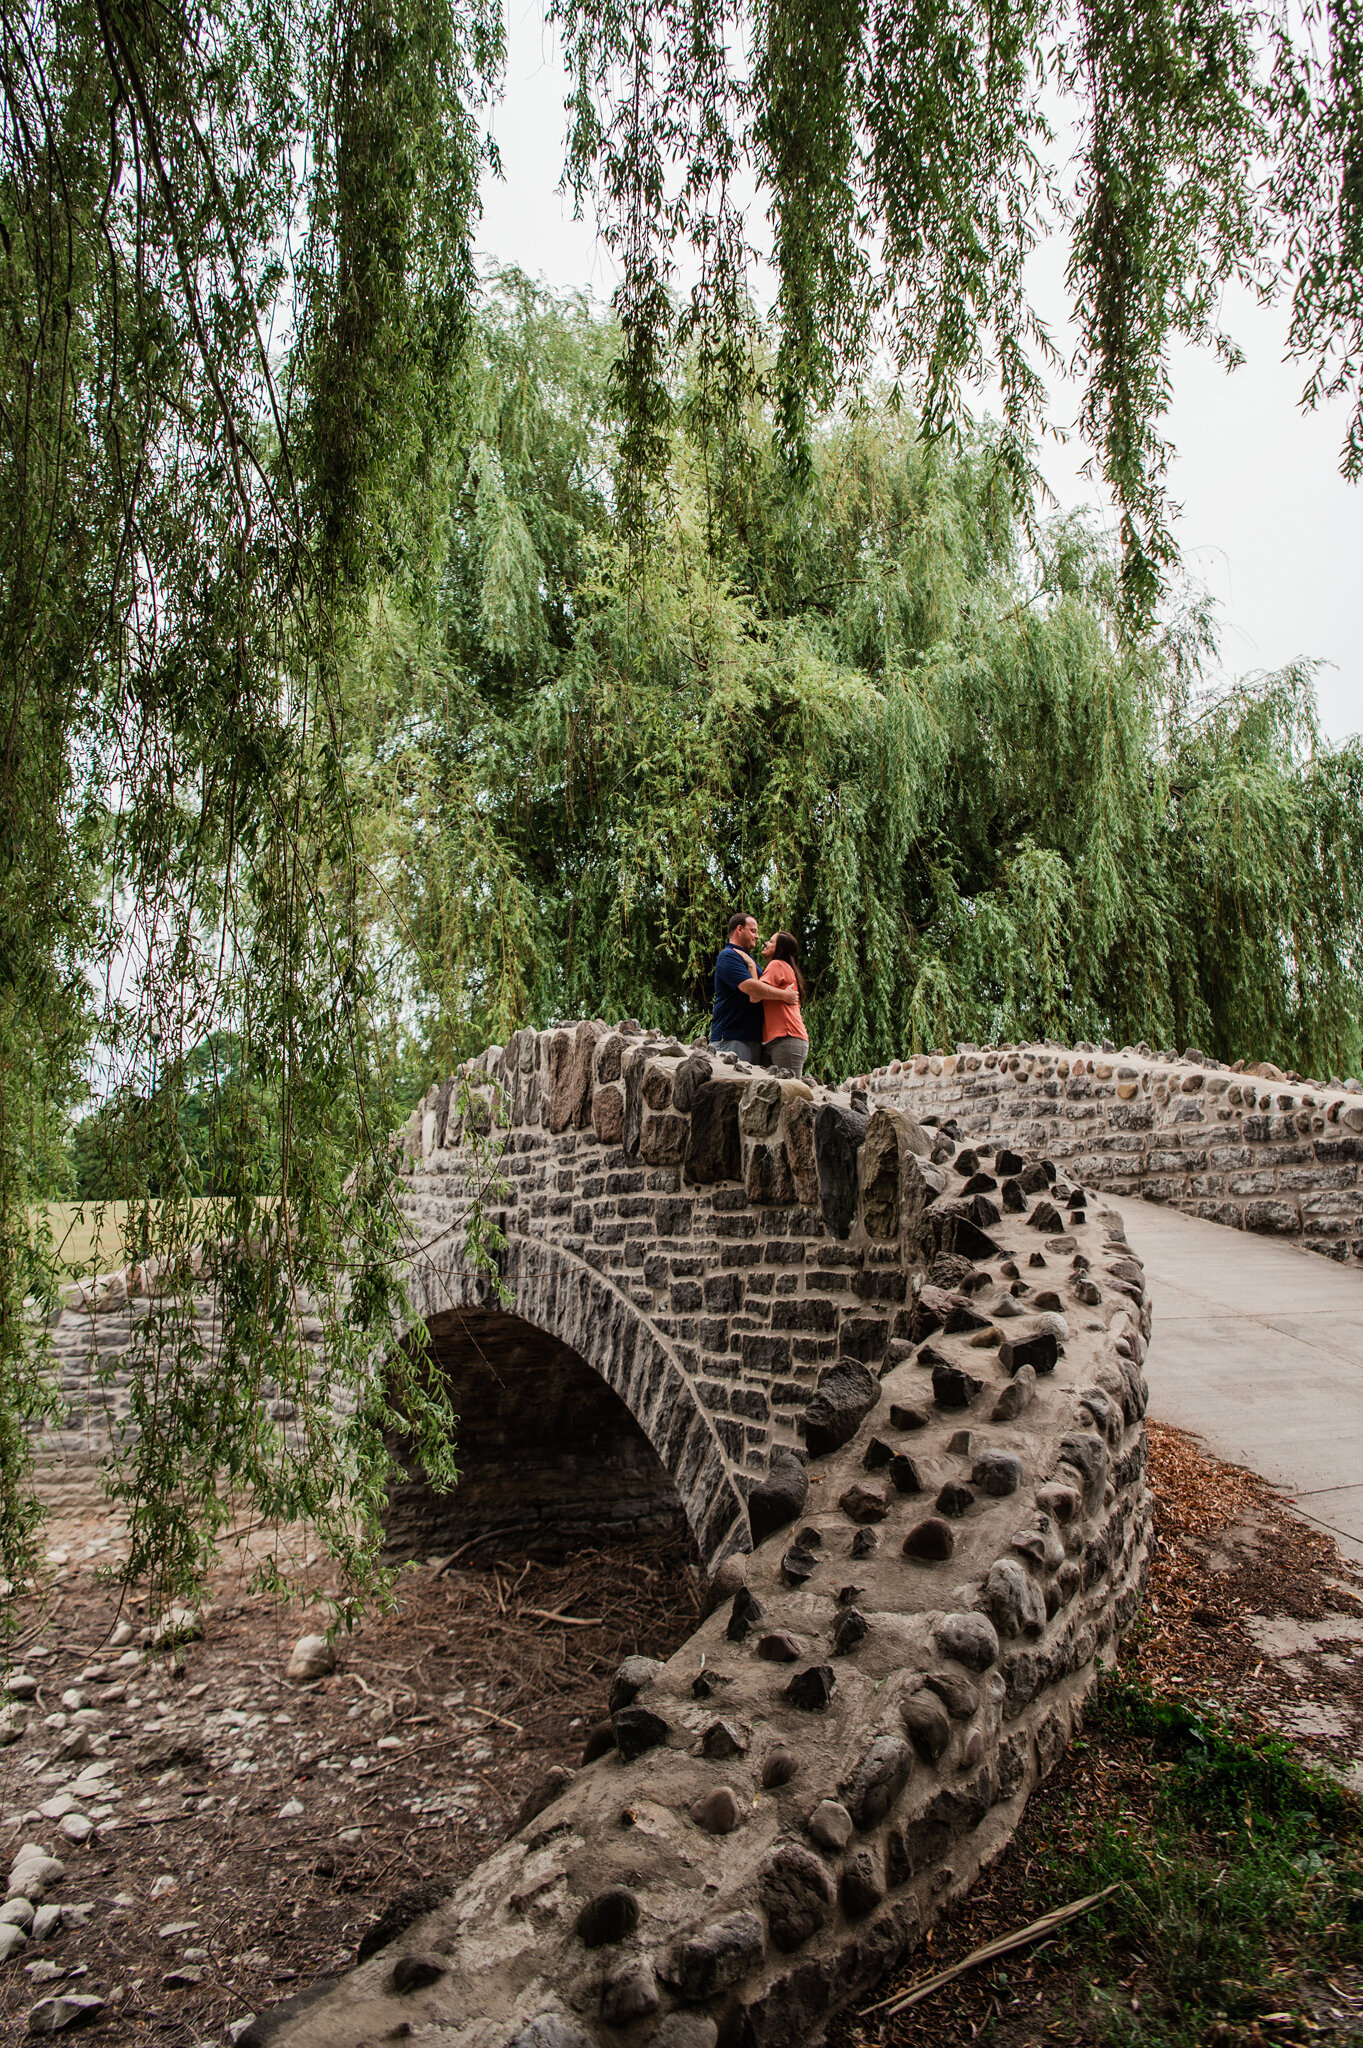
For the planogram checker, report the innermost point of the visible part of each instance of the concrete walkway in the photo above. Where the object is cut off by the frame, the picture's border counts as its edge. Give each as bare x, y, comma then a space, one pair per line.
1258, 1347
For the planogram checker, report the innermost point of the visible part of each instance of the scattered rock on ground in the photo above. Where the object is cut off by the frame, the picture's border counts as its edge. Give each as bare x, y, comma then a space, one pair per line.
312, 1657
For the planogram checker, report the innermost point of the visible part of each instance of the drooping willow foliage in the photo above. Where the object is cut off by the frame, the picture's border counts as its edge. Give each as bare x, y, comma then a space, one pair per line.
377, 672
234, 282
884, 721
910, 156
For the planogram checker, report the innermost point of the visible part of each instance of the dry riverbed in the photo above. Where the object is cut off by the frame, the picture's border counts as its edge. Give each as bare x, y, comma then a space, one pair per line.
227, 1833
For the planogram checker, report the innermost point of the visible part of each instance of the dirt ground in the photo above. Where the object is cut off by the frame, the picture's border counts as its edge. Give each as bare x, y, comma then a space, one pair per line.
246, 1832
249, 1831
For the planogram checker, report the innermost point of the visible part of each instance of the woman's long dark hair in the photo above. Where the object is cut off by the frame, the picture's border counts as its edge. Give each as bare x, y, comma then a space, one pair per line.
787, 949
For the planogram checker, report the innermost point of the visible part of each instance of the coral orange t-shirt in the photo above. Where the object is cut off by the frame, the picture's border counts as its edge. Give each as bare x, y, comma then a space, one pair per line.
782, 1020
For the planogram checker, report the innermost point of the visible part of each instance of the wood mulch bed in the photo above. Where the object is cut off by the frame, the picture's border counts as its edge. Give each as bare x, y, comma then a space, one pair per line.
1230, 1555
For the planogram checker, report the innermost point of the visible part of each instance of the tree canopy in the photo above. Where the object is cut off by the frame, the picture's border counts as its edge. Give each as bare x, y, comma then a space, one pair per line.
384, 662
909, 157
875, 712
234, 277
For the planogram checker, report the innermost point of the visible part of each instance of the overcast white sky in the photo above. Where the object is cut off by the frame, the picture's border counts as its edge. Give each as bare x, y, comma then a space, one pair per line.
1268, 524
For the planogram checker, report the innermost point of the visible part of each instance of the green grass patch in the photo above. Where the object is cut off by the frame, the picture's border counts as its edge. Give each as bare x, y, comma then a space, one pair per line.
1240, 1869
90, 1236
86, 1236
1239, 1895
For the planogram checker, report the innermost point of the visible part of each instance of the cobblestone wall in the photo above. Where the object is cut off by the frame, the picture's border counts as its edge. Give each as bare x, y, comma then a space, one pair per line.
692, 1228
1252, 1150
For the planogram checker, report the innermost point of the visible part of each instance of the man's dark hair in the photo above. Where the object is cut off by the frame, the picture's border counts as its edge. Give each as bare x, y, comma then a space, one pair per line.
739, 917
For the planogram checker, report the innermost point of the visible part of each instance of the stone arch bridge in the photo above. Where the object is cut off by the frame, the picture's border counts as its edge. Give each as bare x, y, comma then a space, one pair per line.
904, 1425
705, 1239
881, 1349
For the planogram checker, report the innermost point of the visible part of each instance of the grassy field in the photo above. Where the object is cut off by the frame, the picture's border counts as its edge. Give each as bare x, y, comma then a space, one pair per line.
89, 1235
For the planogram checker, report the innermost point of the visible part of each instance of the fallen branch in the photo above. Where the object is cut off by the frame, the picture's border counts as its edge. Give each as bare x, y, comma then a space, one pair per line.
488, 1715
489, 1536
407, 1756
145, 1820
361, 1682
1005, 1944
568, 1620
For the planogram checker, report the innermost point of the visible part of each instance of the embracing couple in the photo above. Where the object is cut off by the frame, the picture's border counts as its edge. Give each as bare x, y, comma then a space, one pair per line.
757, 1011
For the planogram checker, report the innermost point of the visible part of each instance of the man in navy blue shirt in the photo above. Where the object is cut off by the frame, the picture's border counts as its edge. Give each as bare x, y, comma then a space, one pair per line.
736, 1023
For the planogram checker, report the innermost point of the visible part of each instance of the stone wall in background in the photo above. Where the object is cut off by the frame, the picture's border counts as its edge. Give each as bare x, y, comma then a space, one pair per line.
1255, 1150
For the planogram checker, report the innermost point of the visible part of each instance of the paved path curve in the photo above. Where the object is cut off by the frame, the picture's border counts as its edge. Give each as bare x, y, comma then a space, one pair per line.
1258, 1347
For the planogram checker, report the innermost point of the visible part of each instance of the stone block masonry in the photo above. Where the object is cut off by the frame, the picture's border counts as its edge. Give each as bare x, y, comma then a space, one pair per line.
689, 1227
94, 1357
1248, 1149
903, 1415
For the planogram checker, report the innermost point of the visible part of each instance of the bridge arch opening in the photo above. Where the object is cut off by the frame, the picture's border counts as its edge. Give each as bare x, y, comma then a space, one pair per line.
547, 1452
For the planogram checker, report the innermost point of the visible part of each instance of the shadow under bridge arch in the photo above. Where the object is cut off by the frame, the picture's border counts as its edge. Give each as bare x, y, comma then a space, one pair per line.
574, 1419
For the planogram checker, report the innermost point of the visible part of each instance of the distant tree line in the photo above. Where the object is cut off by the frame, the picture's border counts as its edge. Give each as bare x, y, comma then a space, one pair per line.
118, 1151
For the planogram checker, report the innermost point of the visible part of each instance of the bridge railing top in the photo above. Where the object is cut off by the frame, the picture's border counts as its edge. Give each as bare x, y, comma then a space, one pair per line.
1133, 1071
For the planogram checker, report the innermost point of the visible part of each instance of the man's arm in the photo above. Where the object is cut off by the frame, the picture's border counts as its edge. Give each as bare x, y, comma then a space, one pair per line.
768, 992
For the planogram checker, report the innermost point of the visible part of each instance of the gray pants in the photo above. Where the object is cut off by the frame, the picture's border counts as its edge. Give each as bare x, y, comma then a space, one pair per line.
787, 1055
740, 1049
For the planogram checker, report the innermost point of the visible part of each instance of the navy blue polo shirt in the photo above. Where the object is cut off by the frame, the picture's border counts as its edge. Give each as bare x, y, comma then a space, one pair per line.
735, 1016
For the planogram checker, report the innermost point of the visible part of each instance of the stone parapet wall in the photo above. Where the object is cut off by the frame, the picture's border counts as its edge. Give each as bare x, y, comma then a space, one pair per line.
1252, 1150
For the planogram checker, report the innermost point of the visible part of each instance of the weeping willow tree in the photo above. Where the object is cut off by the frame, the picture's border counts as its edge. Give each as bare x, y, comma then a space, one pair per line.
909, 155
365, 661
889, 720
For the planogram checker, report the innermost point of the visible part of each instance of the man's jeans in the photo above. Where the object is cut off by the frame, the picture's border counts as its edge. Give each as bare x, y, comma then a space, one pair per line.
740, 1049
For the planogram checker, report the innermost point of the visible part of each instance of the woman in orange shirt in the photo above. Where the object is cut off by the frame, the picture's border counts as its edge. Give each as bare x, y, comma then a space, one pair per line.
784, 1038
